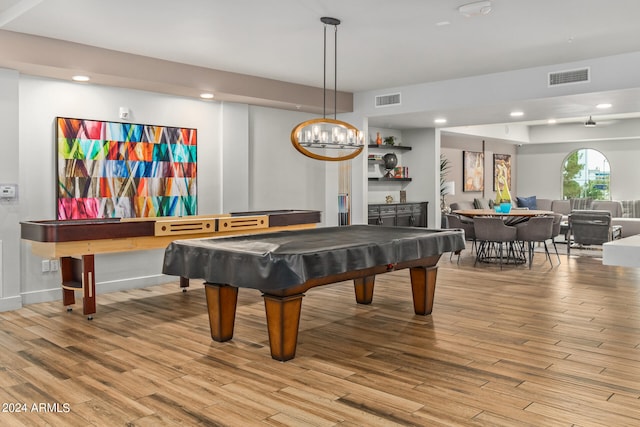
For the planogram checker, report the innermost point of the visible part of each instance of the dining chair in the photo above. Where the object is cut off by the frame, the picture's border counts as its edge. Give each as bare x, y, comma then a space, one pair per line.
557, 227
462, 205
537, 229
454, 221
493, 234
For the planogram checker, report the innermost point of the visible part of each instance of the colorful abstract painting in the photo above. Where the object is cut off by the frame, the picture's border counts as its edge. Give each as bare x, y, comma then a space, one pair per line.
126, 170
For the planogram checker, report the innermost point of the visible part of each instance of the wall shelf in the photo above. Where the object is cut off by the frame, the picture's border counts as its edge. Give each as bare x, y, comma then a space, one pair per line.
390, 147
389, 179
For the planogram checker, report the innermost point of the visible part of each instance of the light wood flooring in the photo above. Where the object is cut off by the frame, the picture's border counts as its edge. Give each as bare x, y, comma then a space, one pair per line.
517, 347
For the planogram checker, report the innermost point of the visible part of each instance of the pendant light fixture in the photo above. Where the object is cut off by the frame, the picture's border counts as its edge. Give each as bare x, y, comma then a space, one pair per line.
326, 138
590, 123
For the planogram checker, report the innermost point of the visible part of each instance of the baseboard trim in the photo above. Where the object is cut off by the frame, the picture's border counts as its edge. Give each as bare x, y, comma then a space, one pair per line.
10, 303
133, 283
55, 294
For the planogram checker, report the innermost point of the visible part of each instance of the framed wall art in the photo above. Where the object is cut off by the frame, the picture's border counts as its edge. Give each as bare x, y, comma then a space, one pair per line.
473, 171
111, 169
501, 171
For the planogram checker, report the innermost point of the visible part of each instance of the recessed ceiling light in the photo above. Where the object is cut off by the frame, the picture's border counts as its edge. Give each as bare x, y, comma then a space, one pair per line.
603, 106
440, 121
80, 78
475, 9
517, 114
206, 95
442, 23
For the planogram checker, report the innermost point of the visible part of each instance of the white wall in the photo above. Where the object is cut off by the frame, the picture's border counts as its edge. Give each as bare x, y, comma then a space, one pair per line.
540, 167
40, 102
424, 169
501, 89
422, 164
245, 162
9, 210
282, 178
512, 131
452, 146
378, 191
235, 151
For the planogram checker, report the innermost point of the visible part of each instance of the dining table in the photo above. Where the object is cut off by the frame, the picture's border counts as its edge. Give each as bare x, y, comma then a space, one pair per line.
514, 216
486, 251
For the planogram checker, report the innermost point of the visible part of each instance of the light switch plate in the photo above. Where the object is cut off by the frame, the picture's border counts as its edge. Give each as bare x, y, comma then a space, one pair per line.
8, 191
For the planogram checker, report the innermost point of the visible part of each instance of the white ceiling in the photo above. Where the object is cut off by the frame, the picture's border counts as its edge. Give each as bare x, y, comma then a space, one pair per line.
381, 43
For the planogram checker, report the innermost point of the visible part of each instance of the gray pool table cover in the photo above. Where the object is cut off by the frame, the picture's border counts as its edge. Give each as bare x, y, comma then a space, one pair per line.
273, 261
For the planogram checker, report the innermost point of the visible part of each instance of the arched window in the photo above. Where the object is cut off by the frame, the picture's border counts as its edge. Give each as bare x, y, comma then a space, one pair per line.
585, 173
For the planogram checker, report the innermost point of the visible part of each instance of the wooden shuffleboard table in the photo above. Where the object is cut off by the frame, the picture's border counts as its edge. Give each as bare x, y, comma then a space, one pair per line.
76, 242
284, 265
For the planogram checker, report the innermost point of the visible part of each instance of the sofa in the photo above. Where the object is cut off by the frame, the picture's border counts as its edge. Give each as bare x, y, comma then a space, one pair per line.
630, 219
625, 213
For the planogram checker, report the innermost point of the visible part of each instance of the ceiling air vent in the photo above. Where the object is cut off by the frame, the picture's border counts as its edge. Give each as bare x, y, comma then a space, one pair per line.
387, 100
568, 77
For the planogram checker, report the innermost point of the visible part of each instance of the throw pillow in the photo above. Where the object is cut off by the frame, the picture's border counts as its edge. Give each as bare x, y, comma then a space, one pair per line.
582, 203
481, 204
631, 208
527, 202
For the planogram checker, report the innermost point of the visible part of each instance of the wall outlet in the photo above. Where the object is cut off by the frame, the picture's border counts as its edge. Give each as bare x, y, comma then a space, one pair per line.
46, 265
54, 264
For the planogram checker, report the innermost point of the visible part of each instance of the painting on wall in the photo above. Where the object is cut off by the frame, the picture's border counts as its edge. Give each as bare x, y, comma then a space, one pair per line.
473, 171
124, 170
501, 171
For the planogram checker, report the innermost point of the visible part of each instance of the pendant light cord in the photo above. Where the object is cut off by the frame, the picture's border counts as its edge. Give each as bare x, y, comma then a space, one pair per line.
324, 80
335, 74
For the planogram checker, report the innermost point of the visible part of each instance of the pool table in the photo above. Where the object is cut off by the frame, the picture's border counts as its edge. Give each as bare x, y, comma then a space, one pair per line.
75, 242
286, 264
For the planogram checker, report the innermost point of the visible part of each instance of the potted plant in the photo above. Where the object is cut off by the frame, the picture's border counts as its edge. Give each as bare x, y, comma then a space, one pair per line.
389, 140
445, 165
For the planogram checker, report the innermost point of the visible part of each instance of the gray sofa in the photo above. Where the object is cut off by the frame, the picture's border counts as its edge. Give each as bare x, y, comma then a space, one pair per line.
624, 213
630, 218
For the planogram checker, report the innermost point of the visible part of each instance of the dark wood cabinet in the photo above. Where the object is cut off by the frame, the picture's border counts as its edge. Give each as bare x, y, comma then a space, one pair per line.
404, 216
398, 214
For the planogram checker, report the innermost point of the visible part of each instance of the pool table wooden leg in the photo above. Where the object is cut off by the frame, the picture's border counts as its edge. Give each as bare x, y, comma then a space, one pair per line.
221, 304
79, 275
184, 283
68, 290
283, 320
423, 286
88, 286
364, 289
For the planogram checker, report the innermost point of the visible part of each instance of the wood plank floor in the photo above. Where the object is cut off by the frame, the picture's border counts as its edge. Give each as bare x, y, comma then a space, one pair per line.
517, 347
